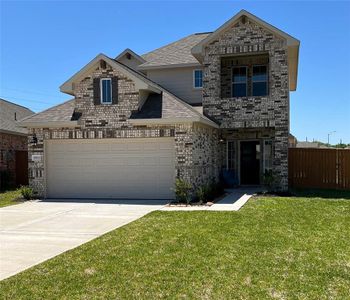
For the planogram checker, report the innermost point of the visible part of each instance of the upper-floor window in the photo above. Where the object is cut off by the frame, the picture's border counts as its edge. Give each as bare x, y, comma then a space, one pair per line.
198, 78
106, 90
239, 81
249, 81
259, 81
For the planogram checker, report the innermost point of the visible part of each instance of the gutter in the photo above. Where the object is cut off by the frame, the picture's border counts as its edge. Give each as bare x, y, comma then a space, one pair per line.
171, 121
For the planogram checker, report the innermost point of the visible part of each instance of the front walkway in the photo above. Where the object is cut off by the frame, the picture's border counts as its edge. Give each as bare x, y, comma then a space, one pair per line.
35, 231
235, 199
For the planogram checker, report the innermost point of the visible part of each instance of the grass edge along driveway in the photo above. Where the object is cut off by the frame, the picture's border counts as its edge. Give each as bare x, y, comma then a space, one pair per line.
8, 198
273, 248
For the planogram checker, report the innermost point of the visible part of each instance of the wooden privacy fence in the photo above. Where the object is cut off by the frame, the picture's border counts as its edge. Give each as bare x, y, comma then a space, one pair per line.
319, 168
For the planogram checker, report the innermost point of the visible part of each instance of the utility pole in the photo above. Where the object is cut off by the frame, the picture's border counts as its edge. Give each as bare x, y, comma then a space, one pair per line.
329, 135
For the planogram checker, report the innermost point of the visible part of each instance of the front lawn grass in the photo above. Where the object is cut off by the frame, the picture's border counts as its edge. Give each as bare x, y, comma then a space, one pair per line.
10, 197
273, 248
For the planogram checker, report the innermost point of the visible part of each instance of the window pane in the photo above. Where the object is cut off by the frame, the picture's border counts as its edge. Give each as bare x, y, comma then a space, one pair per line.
198, 78
259, 89
239, 74
106, 91
103, 90
259, 73
239, 90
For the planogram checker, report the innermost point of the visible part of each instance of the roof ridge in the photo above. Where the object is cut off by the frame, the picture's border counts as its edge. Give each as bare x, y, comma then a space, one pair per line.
57, 105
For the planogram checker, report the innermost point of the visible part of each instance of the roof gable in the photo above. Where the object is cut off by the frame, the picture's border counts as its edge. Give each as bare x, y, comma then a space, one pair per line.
292, 43
132, 53
140, 83
173, 109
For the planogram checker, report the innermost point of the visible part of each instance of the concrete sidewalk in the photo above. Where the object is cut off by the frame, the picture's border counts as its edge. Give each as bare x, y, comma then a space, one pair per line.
35, 231
235, 199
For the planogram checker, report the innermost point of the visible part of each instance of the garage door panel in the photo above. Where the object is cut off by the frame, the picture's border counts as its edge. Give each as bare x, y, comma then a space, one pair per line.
111, 168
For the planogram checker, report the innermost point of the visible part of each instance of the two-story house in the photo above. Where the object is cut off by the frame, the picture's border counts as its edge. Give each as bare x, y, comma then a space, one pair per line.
208, 104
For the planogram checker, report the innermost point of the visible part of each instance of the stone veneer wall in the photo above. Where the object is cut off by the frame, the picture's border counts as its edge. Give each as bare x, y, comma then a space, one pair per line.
111, 115
245, 38
195, 148
195, 145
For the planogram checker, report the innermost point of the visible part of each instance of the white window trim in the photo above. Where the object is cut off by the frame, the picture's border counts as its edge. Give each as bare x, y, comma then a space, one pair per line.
246, 82
194, 79
257, 81
101, 91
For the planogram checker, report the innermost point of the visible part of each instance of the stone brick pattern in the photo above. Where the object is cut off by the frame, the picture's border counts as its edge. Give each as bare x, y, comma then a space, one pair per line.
247, 38
106, 115
195, 148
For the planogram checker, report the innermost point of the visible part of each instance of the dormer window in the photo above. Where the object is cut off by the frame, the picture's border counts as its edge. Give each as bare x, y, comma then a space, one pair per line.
197, 79
106, 90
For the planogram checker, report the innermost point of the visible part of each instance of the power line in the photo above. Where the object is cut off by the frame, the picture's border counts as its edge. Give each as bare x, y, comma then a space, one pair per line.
27, 100
31, 92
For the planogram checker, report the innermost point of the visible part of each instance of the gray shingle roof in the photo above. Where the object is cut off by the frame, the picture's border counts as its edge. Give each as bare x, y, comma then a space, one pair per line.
7, 116
175, 53
60, 113
151, 109
172, 106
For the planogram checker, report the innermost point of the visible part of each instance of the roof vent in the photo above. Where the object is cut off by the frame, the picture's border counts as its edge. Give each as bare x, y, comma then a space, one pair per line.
103, 64
128, 55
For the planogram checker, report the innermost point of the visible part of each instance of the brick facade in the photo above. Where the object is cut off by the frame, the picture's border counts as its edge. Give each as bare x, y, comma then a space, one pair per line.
195, 144
195, 149
9, 144
242, 39
106, 116
199, 154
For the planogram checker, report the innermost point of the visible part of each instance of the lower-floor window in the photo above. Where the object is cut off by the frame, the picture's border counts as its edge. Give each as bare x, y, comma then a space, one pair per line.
268, 155
231, 155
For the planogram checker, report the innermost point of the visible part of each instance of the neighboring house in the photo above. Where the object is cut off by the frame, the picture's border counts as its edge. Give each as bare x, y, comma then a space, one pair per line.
13, 145
208, 104
306, 144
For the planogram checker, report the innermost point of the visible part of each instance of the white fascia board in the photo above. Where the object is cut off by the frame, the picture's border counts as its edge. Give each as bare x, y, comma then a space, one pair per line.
68, 86
197, 50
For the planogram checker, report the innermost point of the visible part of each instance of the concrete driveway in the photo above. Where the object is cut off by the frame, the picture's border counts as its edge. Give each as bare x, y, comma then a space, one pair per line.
35, 231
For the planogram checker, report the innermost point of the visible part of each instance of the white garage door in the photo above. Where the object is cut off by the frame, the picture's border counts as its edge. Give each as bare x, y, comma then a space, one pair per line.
111, 168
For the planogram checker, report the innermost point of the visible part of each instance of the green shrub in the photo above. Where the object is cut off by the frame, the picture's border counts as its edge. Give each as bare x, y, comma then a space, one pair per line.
202, 193
182, 191
269, 180
27, 192
214, 189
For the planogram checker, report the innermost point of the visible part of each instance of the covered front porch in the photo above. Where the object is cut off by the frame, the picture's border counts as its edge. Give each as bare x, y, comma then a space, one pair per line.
247, 155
